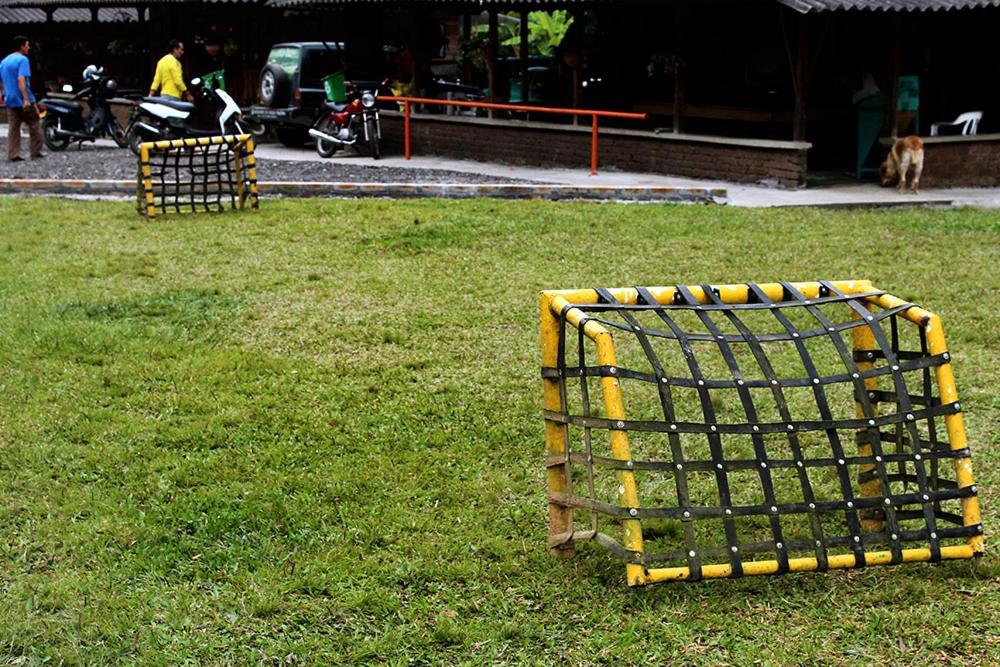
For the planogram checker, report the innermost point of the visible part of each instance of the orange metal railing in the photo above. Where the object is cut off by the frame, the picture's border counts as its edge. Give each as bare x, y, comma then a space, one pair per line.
593, 113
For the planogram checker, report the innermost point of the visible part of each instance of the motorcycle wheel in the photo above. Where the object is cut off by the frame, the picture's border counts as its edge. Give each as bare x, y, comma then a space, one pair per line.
135, 141
373, 142
53, 141
119, 136
326, 148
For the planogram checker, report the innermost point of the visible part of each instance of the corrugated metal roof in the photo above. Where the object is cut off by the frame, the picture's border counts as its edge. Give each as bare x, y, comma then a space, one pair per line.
71, 15
10, 15
20, 15
806, 6
475, 3
110, 3
803, 6
53, 4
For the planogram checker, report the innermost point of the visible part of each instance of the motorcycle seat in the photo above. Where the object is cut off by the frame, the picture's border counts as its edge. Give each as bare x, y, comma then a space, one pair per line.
66, 104
336, 107
173, 104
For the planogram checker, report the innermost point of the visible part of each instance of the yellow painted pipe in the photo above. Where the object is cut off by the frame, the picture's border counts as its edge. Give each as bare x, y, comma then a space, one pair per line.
556, 435
613, 406
834, 562
727, 293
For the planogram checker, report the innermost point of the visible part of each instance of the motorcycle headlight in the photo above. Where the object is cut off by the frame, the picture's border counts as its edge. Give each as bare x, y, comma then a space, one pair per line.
368, 100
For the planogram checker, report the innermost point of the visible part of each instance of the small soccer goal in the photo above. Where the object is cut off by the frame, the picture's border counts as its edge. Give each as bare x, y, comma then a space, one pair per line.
191, 175
736, 430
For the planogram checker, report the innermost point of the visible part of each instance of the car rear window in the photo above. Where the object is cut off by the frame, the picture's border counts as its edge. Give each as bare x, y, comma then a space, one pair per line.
318, 63
285, 57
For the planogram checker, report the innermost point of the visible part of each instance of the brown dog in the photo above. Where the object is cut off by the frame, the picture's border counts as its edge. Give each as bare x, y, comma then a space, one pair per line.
906, 151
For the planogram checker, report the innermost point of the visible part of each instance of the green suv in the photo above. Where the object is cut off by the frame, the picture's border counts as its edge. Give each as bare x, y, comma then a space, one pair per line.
290, 88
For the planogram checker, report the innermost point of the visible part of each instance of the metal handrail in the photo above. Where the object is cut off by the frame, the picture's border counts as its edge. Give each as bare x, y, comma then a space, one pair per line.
593, 113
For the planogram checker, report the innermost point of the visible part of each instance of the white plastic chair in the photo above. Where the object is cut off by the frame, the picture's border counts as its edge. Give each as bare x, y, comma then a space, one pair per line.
969, 122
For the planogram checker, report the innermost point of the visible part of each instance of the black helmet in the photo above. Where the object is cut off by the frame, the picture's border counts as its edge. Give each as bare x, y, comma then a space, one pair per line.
111, 87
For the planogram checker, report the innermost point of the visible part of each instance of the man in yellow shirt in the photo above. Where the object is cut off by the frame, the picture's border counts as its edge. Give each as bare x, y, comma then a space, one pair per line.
169, 78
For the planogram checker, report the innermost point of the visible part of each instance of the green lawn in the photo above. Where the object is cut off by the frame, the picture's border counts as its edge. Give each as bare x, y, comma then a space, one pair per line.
313, 436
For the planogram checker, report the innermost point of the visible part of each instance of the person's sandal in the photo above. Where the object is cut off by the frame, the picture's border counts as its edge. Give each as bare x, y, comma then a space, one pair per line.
16, 159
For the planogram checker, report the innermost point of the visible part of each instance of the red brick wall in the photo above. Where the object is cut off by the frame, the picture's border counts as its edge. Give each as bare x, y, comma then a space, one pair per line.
121, 112
962, 163
564, 147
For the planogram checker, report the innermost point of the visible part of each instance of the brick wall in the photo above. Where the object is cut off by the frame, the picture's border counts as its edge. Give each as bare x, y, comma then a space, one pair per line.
121, 112
961, 161
775, 163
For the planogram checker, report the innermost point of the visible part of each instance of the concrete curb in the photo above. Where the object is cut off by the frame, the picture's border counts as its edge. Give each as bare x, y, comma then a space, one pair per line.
693, 195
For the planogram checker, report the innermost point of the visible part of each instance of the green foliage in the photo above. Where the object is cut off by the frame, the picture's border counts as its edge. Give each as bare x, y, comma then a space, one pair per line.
313, 435
545, 32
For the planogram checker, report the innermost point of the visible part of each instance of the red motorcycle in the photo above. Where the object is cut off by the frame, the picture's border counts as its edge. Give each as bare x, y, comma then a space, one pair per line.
353, 123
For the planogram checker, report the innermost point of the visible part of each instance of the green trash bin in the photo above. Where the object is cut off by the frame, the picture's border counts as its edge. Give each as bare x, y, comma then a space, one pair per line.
333, 84
216, 79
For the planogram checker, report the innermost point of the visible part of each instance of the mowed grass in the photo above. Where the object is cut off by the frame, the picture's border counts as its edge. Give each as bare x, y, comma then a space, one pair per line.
313, 436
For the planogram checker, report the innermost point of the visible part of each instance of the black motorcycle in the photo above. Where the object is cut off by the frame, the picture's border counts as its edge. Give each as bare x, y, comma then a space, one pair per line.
65, 123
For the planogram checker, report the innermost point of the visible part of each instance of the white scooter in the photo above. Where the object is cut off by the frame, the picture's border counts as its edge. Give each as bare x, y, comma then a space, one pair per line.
162, 119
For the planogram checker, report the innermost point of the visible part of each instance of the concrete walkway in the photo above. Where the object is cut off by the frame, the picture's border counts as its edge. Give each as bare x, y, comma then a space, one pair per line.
839, 194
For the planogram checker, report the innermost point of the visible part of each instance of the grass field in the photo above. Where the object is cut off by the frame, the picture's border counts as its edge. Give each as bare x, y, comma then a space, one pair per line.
314, 436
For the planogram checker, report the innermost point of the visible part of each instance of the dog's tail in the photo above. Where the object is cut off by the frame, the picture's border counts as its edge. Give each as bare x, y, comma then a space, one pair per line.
895, 152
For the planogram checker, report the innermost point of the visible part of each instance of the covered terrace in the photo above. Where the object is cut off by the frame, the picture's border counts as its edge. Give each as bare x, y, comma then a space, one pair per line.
738, 89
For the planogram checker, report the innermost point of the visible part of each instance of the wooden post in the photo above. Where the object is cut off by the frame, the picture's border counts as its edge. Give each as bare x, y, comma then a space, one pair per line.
406, 129
524, 56
492, 49
801, 63
577, 17
797, 67
894, 68
680, 48
593, 145
466, 35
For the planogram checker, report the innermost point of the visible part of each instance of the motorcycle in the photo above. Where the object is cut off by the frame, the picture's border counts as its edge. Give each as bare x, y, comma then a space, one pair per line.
354, 123
64, 122
163, 119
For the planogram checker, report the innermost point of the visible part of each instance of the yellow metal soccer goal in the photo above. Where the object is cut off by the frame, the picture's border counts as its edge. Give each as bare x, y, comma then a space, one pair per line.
753, 429
190, 175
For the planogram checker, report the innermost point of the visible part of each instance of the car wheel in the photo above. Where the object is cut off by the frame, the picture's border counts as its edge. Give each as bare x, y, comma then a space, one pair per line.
273, 89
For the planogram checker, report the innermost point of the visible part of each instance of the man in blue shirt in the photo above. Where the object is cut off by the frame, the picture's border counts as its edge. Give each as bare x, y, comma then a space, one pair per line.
15, 86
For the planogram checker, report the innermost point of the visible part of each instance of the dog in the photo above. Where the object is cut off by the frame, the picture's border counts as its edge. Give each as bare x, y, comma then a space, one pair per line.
906, 151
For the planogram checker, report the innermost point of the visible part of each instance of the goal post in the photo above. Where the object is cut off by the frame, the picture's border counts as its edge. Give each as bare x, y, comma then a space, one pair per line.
199, 174
720, 431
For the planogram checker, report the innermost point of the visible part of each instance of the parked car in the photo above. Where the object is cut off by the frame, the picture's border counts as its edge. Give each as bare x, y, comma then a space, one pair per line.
290, 88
